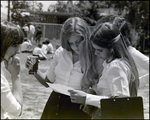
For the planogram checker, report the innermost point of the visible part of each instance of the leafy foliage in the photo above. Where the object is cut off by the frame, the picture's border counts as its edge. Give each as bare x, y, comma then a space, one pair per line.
20, 7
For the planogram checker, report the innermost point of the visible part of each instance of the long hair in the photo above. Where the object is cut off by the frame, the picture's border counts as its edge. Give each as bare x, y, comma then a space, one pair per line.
126, 29
107, 35
11, 35
79, 26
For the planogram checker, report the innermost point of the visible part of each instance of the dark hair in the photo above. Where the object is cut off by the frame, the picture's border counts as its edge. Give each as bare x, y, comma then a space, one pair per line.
11, 35
40, 45
47, 42
100, 35
43, 42
107, 35
126, 30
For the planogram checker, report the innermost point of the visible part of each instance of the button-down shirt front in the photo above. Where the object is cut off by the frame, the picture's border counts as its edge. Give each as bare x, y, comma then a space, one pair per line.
113, 82
63, 71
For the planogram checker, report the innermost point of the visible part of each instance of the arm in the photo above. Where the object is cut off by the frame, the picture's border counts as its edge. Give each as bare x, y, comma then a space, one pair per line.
144, 80
16, 89
41, 77
142, 63
140, 59
8, 101
13, 66
118, 77
49, 76
43, 55
81, 97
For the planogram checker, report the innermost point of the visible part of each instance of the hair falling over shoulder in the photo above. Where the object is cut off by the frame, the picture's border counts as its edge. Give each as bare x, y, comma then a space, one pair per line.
107, 35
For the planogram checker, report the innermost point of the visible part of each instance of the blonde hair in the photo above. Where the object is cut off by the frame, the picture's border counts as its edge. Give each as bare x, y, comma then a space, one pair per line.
79, 26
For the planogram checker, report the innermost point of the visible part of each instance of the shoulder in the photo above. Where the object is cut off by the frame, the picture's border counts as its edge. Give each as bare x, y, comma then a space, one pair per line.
118, 64
50, 45
61, 52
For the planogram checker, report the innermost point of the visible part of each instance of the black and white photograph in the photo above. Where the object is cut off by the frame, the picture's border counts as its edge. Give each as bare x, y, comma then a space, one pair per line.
74, 59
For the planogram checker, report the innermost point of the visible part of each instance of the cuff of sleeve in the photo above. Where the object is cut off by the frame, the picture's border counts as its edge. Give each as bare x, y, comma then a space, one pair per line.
14, 107
94, 100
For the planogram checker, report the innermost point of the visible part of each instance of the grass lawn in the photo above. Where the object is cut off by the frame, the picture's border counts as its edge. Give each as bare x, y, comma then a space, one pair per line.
35, 95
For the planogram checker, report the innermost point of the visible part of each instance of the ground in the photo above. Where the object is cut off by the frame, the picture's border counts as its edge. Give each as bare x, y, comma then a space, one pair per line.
35, 95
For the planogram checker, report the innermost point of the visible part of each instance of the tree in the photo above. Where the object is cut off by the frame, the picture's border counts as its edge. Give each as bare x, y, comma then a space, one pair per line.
40, 6
90, 10
21, 11
137, 13
17, 9
8, 10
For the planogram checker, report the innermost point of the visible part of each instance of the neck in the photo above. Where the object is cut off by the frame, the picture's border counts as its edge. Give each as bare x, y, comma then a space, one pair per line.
109, 59
74, 53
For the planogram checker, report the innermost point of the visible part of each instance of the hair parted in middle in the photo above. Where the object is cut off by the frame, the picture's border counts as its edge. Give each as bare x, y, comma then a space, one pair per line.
107, 35
73, 25
79, 26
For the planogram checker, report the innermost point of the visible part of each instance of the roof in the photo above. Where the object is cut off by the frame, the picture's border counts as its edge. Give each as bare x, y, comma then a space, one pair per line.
50, 13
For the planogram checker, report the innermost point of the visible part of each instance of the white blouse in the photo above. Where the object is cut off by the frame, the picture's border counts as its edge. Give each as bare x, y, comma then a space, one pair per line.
8, 101
63, 71
44, 49
113, 82
142, 64
38, 51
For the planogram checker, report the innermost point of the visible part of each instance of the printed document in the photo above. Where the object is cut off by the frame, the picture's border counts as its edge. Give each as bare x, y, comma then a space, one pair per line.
61, 88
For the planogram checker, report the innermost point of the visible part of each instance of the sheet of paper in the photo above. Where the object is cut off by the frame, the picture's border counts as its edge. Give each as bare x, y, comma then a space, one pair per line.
61, 88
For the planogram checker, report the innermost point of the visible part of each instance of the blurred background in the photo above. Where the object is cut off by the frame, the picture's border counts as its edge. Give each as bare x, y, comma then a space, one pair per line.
50, 15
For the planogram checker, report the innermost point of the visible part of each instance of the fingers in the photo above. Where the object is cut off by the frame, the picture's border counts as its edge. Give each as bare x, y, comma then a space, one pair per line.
72, 100
5, 63
72, 91
10, 61
17, 60
29, 63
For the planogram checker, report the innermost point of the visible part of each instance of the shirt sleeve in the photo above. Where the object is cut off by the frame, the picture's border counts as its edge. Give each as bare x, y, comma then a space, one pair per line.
140, 59
94, 100
8, 101
41, 52
118, 76
50, 73
144, 80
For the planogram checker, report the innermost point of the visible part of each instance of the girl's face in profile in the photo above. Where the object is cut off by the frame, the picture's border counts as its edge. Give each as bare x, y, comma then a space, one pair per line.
11, 52
75, 41
101, 52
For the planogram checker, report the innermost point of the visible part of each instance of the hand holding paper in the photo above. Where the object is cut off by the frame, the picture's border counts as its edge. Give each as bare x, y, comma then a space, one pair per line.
61, 88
